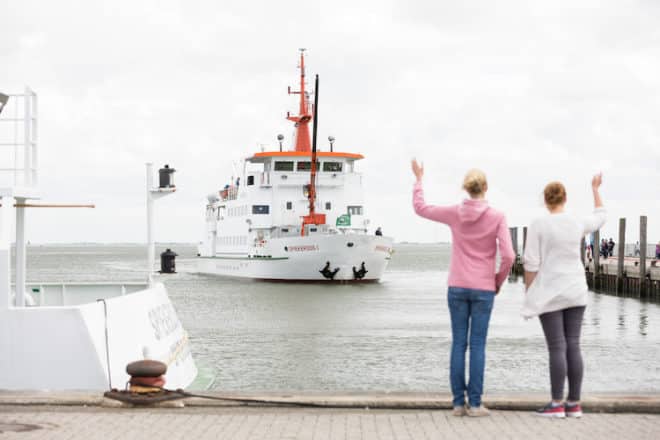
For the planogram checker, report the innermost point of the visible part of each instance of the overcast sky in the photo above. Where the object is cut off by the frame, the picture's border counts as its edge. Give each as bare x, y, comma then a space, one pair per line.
529, 91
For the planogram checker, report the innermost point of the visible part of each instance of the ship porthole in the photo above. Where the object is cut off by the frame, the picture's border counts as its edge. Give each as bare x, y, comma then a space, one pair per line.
286, 249
349, 244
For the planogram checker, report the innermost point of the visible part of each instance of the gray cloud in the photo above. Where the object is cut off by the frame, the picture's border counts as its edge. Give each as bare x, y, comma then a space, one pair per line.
528, 91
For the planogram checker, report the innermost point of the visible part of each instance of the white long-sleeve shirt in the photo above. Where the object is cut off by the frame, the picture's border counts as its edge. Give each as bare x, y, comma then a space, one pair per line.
553, 251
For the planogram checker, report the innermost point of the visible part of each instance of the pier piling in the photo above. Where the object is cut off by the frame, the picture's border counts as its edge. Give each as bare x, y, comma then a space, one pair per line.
514, 239
642, 256
596, 256
621, 255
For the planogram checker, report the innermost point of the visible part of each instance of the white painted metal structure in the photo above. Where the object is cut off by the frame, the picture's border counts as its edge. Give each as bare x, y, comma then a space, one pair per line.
80, 335
153, 194
253, 229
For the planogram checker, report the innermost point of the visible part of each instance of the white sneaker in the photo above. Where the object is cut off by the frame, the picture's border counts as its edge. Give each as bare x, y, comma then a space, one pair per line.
459, 411
478, 411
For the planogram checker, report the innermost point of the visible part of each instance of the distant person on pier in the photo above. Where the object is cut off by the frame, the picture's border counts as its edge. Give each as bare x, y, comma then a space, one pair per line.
657, 251
610, 247
604, 250
379, 231
557, 291
637, 248
478, 231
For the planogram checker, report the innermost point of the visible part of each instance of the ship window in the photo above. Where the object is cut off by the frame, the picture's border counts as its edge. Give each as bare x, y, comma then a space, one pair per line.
284, 165
307, 166
250, 180
260, 209
355, 210
328, 206
313, 229
333, 167
289, 205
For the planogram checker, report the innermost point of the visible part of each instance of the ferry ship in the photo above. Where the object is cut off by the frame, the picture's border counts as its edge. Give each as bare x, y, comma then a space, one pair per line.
296, 215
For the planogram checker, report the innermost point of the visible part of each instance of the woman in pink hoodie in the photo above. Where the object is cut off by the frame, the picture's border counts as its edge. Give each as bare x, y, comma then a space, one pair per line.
478, 231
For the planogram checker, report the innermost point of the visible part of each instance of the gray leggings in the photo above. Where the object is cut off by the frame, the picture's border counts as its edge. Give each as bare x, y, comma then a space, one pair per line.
562, 334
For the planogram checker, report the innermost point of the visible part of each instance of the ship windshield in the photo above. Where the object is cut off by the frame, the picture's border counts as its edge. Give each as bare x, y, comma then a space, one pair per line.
285, 165
307, 166
333, 167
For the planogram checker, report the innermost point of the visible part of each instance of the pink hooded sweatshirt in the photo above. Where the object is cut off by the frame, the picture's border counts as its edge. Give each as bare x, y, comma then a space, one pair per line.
477, 231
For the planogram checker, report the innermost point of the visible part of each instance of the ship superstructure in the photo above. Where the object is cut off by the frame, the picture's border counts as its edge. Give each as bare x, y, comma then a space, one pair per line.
289, 217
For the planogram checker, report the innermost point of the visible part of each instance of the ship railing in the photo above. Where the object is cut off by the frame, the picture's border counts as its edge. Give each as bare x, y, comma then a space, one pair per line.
51, 294
230, 193
18, 140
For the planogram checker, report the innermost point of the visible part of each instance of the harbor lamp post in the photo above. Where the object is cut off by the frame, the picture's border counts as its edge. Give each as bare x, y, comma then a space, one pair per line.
164, 188
280, 138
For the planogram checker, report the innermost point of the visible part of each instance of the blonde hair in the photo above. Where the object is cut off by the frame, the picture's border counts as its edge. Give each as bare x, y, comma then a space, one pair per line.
475, 182
554, 194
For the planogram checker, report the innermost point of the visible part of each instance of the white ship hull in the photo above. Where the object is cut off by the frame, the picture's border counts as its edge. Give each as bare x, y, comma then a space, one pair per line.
69, 340
304, 258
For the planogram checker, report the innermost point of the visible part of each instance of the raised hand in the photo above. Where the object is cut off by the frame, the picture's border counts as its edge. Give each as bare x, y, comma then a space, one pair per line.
597, 180
417, 169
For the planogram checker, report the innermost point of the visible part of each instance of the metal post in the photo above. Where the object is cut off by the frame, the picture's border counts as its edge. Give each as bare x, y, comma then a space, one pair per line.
27, 141
514, 239
596, 256
33, 139
583, 244
5, 252
621, 254
642, 256
524, 239
151, 245
20, 254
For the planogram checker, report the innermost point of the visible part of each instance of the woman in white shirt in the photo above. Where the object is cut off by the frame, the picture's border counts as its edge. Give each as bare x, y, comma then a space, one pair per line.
557, 291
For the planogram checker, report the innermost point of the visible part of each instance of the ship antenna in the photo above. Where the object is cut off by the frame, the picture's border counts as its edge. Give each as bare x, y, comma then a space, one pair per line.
304, 112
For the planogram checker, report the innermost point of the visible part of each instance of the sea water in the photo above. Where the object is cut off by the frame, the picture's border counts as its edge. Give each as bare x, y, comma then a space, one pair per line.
393, 335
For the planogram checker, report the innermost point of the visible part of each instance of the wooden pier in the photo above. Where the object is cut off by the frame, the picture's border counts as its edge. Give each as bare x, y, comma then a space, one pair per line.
621, 275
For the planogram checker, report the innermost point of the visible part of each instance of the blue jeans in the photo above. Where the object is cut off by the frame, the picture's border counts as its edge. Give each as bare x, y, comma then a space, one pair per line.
470, 310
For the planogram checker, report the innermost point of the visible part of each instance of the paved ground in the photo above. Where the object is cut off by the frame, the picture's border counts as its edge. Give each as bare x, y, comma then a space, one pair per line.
236, 423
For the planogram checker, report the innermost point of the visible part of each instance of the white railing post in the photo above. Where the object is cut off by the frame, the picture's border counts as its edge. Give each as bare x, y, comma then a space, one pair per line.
20, 254
27, 141
5, 252
151, 245
153, 193
34, 166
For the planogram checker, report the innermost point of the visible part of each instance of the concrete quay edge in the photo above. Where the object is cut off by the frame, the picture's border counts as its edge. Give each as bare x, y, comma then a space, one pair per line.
648, 403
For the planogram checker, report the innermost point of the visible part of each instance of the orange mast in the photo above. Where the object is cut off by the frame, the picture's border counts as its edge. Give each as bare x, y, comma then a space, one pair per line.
313, 218
304, 112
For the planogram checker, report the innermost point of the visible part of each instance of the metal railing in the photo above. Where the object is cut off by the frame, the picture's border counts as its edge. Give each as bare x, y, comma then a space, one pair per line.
76, 293
230, 193
18, 140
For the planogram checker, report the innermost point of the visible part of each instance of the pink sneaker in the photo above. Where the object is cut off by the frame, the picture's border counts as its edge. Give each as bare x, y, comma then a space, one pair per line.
574, 410
552, 410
